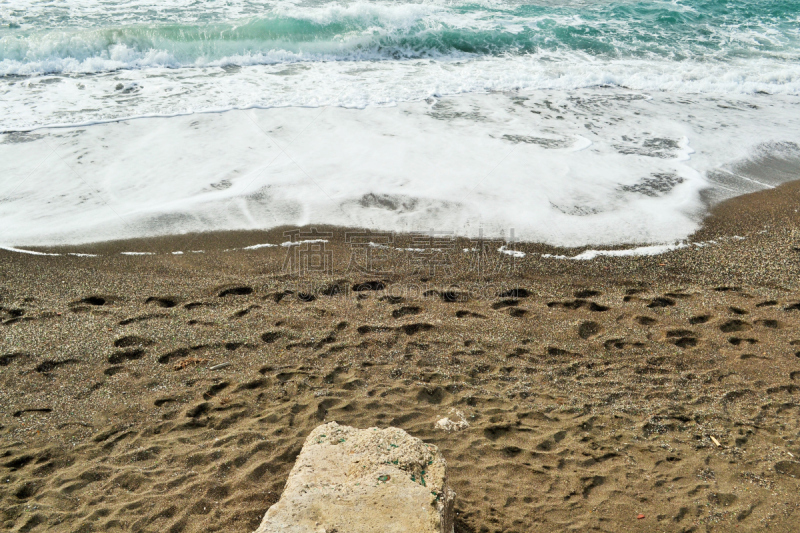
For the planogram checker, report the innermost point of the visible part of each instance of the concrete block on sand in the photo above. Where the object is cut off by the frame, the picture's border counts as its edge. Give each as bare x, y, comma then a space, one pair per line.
349, 480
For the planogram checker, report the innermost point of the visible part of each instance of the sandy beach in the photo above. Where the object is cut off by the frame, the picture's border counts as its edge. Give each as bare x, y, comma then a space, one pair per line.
172, 391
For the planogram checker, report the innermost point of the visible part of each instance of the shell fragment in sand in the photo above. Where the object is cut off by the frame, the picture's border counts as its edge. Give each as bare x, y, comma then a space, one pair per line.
445, 424
715, 441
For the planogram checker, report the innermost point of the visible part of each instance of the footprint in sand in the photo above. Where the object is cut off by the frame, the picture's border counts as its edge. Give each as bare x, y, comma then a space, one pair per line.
767, 303
94, 300
462, 313
589, 329
661, 301
734, 325
369, 286
405, 311
127, 355
515, 293
587, 293
165, 302
505, 303
48, 365
132, 340
579, 303
682, 338
236, 291
8, 358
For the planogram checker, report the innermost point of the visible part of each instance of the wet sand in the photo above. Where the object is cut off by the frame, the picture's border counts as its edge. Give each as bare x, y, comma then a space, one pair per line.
593, 391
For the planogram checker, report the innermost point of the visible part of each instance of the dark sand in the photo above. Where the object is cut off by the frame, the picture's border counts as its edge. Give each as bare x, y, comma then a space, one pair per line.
592, 396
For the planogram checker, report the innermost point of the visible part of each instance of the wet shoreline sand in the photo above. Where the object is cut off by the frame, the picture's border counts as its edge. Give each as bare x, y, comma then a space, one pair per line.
591, 396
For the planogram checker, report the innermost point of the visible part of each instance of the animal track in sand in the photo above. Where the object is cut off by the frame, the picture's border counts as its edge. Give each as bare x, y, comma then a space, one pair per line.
738, 310
736, 341
515, 312
771, 324
646, 320
699, 319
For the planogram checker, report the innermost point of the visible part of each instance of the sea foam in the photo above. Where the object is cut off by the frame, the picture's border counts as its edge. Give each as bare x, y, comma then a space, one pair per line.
596, 166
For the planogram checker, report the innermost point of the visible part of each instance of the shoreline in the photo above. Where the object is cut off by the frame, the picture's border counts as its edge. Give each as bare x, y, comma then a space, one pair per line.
736, 216
735, 232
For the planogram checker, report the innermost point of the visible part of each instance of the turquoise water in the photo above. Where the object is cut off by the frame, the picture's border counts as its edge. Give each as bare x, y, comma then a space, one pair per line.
88, 60
92, 36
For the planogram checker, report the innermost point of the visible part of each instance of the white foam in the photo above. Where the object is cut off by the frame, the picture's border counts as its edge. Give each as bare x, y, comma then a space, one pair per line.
299, 243
513, 253
496, 161
163, 91
20, 251
258, 246
658, 249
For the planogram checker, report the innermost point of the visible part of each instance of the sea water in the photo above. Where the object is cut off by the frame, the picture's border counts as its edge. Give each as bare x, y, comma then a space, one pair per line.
568, 122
